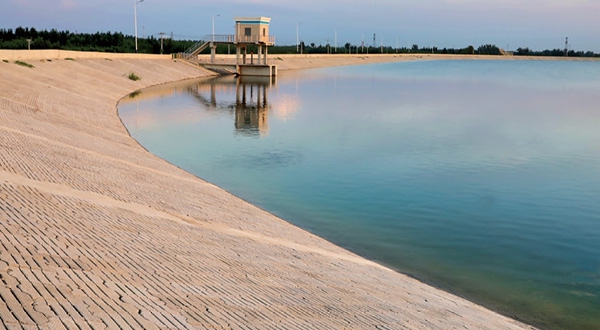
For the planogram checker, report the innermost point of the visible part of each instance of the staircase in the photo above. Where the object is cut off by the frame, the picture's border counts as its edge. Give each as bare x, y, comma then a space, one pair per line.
197, 48
205, 42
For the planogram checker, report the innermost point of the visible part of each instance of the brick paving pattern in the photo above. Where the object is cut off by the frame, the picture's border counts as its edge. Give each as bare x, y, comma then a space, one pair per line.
96, 233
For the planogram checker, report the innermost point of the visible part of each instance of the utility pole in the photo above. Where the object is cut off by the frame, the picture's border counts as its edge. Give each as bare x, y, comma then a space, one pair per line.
335, 40
213, 27
162, 37
135, 3
297, 38
362, 44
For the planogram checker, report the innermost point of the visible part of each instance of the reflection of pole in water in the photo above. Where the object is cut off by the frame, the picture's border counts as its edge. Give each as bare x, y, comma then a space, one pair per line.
137, 113
213, 95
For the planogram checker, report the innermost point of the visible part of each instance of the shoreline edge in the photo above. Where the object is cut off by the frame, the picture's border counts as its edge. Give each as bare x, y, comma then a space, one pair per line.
98, 232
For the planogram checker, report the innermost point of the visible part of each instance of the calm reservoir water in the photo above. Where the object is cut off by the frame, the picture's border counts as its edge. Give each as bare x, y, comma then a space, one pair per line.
481, 177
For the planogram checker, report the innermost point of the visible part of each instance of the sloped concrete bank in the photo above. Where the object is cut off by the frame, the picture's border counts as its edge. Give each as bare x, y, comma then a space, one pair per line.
95, 232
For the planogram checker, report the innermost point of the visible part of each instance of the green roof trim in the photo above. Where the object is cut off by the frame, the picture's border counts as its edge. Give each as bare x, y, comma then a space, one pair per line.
253, 22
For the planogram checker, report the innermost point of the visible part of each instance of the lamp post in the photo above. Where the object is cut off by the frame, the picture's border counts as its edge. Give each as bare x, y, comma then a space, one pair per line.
135, 3
213, 27
297, 40
335, 42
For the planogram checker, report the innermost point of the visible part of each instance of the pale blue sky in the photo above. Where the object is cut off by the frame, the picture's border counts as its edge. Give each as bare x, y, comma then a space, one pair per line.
538, 24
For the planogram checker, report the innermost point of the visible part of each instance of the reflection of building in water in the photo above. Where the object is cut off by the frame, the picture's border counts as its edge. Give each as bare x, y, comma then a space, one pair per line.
251, 104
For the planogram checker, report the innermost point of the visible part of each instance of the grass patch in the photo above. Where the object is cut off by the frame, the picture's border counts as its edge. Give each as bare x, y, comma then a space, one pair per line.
21, 63
279, 58
134, 77
69, 59
5, 61
108, 59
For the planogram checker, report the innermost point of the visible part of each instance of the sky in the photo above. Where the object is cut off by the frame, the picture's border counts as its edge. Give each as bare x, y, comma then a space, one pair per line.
508, 24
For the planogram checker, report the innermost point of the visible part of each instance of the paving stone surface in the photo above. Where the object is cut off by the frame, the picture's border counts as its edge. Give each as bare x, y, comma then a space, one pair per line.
96, 233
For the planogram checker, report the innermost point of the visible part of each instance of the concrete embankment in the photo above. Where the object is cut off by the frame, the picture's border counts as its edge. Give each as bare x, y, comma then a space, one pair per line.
95, 232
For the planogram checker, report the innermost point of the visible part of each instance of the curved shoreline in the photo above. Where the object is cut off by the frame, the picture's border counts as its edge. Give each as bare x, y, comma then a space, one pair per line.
97, 232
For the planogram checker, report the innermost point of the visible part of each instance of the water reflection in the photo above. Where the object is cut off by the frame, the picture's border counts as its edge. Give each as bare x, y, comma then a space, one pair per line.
251, 105
246, 98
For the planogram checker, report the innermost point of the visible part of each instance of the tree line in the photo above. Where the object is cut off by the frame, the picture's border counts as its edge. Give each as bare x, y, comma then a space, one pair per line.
110, 42
487, 49
117, 42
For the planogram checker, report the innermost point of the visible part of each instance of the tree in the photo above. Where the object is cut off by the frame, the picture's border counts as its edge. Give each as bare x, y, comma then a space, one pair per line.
469, 50
523, 51
488, 50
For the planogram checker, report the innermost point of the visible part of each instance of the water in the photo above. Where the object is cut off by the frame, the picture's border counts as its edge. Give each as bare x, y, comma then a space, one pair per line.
481, 177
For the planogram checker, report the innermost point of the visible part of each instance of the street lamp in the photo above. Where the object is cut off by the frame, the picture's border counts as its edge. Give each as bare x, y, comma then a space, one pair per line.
297, 40
213, 27
135, 3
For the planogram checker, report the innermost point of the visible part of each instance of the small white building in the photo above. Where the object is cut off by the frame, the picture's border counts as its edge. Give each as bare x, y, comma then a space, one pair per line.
253, 30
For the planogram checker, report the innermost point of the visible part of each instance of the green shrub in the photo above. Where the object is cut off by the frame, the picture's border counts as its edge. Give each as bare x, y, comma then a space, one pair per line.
5, 61
24, 64
69, 59
134, 77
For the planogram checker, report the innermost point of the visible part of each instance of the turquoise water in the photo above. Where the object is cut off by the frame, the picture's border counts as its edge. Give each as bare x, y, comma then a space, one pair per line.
480, 177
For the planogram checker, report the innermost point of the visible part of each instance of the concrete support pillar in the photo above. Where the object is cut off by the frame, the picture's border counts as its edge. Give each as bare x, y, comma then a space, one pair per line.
266, 54
213, 52
238, 53
259, 54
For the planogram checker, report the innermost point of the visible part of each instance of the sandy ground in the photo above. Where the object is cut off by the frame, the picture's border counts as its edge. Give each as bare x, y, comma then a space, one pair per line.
95, 232
298, 62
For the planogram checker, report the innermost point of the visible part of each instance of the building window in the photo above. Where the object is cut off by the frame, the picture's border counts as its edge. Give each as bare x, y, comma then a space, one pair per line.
264, 32
248, 32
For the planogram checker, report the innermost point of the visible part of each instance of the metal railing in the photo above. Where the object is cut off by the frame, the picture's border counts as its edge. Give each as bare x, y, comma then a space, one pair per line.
197, 48
221, 38
233, 61
255, 39
201, 45
230, 38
